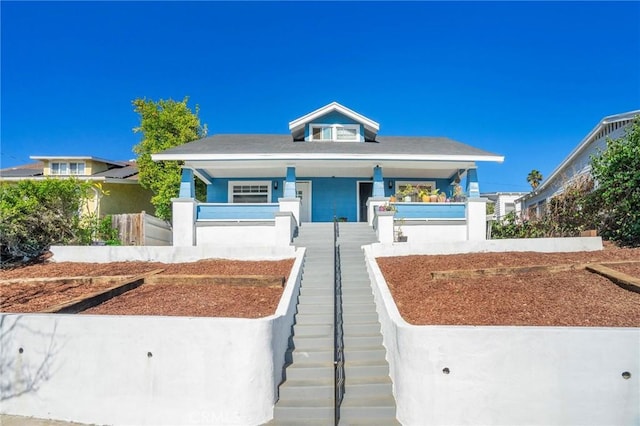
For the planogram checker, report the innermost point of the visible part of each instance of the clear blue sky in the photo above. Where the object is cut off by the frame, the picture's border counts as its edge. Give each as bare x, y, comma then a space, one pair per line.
525, 80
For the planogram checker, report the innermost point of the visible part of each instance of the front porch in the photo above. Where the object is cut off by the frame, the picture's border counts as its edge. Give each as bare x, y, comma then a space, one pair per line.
265, 211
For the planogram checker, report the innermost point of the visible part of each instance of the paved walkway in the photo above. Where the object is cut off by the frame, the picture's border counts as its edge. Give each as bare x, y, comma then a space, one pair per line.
7, 420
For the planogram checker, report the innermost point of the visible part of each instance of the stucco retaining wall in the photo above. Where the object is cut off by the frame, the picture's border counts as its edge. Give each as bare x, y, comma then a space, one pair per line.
104, 254
146, 370
543, 245
446, 375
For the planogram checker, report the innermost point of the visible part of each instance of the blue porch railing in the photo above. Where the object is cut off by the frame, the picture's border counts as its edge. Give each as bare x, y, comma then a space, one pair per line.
443, 211
226, 211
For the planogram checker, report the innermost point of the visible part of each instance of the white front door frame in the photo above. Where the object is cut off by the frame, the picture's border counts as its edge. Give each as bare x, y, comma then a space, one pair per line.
304, 191
358, 196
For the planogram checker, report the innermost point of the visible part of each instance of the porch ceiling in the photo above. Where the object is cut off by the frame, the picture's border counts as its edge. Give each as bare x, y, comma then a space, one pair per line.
328, 168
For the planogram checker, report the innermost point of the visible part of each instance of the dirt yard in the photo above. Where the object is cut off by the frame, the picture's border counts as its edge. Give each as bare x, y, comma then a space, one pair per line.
569, 297
565, 298
156, 299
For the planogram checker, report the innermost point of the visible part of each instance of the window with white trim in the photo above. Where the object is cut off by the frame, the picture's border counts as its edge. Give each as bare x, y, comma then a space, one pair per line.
249, 192
64, 168
335, 132
427, 185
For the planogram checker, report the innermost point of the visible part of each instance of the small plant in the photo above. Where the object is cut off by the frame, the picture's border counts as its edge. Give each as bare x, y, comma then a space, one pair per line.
398, 234
408, 192
94, 230
458, 195
387, 208
423, 195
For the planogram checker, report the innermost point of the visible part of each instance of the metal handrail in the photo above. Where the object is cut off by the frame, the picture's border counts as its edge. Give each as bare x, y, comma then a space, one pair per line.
338, 340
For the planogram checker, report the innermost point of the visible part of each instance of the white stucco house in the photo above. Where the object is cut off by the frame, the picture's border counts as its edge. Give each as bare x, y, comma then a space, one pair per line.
505, 203
332, 165
577, 163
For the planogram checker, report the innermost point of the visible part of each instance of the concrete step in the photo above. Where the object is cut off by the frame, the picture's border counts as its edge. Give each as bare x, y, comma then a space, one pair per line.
296, 422
313, 330
353, 342
315, 318
350, 290
360, 329
377, 370
315, 356
360, 387
315, 343
357, 300
363, 308
303, 410
315, 300
316, 291
317, 283
316, 309
310, 370
307, 389
359, 317
366, 421
369, 354
367, 407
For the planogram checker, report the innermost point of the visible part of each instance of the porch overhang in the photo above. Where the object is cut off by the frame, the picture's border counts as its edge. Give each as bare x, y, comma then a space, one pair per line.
357, 166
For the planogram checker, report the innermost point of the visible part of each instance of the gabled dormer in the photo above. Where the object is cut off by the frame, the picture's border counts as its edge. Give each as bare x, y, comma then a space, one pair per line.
334, 123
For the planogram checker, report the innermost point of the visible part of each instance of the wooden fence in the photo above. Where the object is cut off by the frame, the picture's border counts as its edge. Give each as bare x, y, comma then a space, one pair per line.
142, 229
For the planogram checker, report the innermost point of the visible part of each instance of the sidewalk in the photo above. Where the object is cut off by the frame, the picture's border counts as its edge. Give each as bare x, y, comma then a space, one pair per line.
8, 420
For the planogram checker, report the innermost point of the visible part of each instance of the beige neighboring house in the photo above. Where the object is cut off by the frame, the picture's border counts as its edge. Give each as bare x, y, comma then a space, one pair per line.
121, 191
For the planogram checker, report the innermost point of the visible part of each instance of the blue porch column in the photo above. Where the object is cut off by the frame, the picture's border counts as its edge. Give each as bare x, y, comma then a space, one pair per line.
187, 184
378, 182
473, 187
290, 183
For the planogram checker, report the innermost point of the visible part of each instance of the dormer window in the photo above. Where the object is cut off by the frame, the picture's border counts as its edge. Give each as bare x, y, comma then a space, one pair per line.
72, 168
335, 132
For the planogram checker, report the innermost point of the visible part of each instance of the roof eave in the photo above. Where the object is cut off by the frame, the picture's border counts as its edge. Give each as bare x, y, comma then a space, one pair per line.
324, 156
299, 123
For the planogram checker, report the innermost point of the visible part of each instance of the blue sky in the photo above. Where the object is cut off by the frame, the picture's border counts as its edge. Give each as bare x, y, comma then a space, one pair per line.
527, 80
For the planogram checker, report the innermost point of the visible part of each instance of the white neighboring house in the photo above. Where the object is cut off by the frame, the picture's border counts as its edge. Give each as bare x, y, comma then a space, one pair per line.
577, 163
505, 202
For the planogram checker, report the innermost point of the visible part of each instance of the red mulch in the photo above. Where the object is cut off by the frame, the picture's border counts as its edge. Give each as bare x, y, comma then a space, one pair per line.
187, 300
575, 298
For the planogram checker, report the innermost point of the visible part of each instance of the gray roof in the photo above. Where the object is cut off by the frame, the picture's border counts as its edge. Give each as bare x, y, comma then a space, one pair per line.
26, 170
118, 172
268, 144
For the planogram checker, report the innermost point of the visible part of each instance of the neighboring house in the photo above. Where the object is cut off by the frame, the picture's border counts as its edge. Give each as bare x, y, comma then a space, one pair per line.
121, 191
332, 164
505, 202
577, 163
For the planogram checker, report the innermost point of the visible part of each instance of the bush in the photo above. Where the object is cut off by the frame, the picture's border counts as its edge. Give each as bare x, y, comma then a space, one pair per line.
566, 215
37, 214
617, 171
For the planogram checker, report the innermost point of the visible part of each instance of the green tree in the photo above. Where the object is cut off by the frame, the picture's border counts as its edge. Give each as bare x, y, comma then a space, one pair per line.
617, 173
37, 214
164, 124
534, 178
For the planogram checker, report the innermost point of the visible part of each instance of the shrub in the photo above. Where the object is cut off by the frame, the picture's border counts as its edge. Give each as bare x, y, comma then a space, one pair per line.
617, 171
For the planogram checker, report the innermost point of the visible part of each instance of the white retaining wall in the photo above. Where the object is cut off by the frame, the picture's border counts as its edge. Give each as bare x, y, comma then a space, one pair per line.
431, 232
508, 375
543, 245
104, 254
146, 370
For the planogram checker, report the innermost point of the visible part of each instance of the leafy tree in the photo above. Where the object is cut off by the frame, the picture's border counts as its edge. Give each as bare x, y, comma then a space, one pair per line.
164, 124
37, 214
617, 173
534, 178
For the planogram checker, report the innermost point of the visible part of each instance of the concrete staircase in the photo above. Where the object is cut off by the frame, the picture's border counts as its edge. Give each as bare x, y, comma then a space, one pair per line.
307, 394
